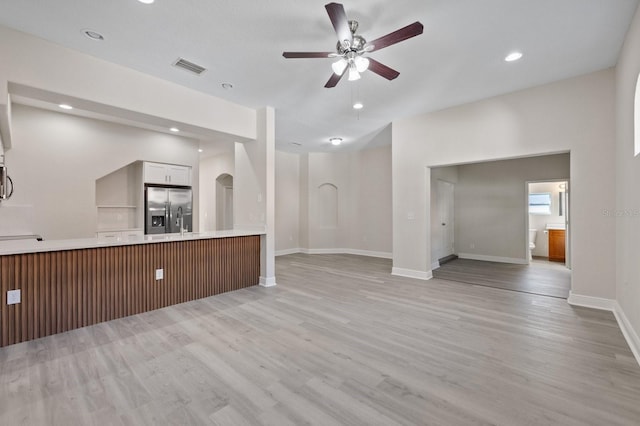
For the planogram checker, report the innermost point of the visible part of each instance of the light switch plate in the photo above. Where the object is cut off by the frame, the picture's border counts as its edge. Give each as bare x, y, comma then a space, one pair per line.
13, 297
159, 274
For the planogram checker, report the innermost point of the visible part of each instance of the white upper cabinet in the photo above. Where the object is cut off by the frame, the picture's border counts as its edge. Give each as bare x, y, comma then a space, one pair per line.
167, 174
179, 175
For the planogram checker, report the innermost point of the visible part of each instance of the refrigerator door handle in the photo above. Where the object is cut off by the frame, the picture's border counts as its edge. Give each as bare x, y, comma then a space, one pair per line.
167, 218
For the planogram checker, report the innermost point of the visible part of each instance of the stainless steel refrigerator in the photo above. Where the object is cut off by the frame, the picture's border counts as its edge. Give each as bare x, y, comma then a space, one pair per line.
166, 208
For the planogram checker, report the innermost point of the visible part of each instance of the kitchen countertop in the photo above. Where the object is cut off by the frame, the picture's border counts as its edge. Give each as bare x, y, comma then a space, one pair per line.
33, 246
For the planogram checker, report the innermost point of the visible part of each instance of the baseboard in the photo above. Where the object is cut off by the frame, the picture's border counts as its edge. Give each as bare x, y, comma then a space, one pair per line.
324, 251
627, 330
288, 251
411, 273
591, 302
484, 258
613, 306
357, 252
267, 281
435, 265
380, 254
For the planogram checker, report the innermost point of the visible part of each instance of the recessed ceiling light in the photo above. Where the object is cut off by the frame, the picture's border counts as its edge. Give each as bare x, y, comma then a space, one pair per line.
335, 141
174, 129
200, 150
227, 86
513, 56
93, 35
146, 1
65, 106
358, 105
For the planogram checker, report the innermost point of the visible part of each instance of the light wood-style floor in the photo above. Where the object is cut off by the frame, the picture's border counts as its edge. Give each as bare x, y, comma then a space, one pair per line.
540, 277
339, 341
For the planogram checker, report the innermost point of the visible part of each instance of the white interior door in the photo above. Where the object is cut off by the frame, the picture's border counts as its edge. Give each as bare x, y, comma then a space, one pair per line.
446, 207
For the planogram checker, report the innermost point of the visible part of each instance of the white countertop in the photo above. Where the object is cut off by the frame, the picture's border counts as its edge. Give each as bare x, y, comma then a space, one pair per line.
33, 246
559, 226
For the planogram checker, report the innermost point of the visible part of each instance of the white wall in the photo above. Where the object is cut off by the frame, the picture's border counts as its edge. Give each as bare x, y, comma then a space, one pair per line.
332, 169
361, 180
40, 64
254, 190
287, 202
574, 115
370, 223
491, 205
363, 216
56, 159
210, 169
540, 221
626, 213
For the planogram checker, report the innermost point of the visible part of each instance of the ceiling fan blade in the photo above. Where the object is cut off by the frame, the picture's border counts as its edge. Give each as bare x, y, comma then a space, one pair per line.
335, 79
339, 20
397, 36
382, 69
295, 55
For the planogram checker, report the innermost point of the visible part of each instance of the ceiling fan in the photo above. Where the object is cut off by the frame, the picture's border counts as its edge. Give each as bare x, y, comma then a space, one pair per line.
351, 47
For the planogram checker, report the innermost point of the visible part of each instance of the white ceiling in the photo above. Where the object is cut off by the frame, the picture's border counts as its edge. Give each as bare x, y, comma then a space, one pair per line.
458, 59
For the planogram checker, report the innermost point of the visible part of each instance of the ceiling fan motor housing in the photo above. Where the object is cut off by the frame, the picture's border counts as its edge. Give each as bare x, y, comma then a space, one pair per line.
357, 41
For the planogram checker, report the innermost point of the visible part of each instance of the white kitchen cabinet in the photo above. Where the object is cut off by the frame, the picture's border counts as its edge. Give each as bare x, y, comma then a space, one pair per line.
167, 174
124, 235
109, 236
179, 175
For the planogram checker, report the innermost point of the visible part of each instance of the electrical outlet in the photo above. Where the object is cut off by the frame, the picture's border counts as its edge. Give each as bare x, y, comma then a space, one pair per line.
159, 274
13, 297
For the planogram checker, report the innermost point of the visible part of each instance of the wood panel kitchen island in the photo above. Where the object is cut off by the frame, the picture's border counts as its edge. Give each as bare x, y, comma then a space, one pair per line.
69, 284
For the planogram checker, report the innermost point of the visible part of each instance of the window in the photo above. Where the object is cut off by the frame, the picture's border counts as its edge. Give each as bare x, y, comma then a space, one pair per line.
540, 203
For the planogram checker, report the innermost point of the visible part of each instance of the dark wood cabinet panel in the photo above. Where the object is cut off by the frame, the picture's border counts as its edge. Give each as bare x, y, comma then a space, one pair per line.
69, 289
556, 245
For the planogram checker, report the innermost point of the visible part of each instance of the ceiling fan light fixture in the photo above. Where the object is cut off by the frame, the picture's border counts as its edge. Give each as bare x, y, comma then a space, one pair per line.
361, 63
353, 73
339, 66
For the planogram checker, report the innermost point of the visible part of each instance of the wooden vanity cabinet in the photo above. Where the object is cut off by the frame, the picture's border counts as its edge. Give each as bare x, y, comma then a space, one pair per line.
556, 245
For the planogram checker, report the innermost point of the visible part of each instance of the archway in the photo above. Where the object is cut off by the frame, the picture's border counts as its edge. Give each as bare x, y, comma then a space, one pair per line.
224, 202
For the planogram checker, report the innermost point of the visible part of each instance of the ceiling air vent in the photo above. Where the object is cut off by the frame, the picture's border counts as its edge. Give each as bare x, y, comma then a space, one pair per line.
189, 66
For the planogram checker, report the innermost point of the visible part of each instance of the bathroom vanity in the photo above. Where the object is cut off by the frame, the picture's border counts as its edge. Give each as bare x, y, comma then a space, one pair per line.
556, 245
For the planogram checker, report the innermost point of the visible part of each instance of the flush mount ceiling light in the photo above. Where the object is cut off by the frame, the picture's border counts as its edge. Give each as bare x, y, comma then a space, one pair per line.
174, 129
358, 105
93, 35
146, 1
65, 106
335, 141
513, 56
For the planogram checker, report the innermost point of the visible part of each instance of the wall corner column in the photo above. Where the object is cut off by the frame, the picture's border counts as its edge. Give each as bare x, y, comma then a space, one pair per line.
266, 120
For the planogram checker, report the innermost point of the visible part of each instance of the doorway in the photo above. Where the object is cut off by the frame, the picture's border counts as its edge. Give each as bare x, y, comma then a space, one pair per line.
548, 225
224, 202
490, 242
